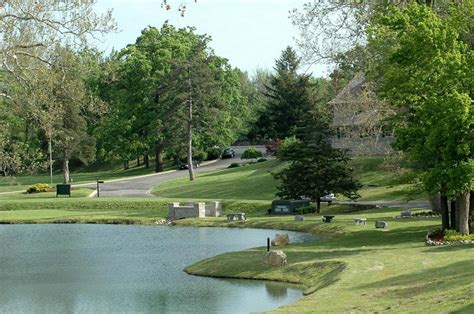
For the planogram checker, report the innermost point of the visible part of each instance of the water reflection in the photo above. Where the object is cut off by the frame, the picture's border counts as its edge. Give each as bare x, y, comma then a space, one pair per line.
91, 268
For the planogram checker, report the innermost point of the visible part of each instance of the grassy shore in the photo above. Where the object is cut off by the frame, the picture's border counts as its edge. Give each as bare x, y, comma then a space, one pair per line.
358, 268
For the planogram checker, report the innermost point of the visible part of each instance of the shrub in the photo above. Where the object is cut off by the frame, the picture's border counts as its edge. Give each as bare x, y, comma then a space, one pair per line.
306, 210
213, 153
262, 159
39, 188
452, 235
200, 156
234, 165
251, 153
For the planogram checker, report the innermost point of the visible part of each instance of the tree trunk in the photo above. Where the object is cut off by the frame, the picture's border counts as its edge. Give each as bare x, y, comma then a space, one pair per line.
471, 210
462, 203
158, 157
67, 178
444, 212
50, 153
125, 165
453, 214
190, 131
146, 160
318, 206
435, 203
138, 161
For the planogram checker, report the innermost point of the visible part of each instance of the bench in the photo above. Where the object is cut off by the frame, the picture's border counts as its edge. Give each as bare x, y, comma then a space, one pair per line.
327, 219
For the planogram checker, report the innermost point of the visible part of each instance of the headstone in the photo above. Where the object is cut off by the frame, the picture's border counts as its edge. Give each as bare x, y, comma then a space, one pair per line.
281, 239
275, 259
381, 224
406, 213
360, 221
299, 218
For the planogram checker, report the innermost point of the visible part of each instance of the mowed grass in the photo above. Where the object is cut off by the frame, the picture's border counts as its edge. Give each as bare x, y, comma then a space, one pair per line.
360, 269
46, 208
250, 182
255, 182
79, 175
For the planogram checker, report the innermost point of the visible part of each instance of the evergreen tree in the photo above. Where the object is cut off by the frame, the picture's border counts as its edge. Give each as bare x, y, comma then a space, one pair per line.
289, 98
316, 169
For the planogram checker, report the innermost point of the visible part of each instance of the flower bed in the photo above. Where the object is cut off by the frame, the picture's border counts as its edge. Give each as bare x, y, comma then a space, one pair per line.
438, 237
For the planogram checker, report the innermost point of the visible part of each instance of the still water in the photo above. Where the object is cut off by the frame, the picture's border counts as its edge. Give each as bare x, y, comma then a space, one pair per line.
110, 269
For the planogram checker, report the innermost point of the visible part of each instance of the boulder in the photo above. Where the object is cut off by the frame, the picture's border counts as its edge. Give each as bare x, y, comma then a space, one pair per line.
275, 258
299, 218
281, 239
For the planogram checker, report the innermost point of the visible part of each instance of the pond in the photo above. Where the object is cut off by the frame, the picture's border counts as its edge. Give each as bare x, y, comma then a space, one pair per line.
111, 268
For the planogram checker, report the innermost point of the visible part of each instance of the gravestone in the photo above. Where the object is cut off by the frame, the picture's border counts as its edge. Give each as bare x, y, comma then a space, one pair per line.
299, 218
381, 224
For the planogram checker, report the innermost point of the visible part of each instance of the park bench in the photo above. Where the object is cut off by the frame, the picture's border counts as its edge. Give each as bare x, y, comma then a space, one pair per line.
328, 219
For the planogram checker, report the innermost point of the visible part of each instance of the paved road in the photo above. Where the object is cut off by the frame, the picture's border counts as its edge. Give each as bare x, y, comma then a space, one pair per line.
141, 186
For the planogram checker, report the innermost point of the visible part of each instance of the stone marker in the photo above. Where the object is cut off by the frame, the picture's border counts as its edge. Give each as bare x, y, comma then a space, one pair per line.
275, 258
381, 224
281, 239
299, 218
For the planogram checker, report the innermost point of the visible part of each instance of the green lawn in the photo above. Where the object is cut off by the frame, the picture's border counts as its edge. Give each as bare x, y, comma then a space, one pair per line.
361, 269
79, 175
255, 182
250, 182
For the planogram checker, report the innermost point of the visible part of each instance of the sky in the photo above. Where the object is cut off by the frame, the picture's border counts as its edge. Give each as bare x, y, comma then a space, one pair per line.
250, 33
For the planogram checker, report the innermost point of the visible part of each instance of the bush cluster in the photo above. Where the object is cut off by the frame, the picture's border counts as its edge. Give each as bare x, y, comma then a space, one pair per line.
425, 214
214, 153
38, 188
452, 235
306, 210
262, 159
234, 165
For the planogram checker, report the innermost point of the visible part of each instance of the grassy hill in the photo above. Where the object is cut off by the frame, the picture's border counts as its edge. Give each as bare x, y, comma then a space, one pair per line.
255, 182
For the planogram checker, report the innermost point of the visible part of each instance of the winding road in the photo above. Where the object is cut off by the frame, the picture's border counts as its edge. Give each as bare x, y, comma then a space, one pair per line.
141, 186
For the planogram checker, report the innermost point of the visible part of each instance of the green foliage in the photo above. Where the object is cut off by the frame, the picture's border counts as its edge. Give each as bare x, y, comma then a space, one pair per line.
452, 235
262, 159
424, 68
234, 165
251, 153
214, 153
39, 188
306, 210
290, 96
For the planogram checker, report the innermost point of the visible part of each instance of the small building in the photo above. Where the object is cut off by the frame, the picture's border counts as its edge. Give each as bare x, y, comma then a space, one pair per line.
282, 207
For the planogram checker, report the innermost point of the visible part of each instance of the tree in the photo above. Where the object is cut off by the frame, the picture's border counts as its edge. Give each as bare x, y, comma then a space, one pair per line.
190, 92
289, 98
424, 68
31, 32
315, 168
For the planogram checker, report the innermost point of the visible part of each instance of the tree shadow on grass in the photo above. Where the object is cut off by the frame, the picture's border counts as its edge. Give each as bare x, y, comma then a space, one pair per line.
449, 248
375, 237
440, 279
465, 310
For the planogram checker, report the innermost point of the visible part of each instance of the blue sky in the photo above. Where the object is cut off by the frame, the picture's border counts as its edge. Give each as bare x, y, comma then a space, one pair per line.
250, 33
